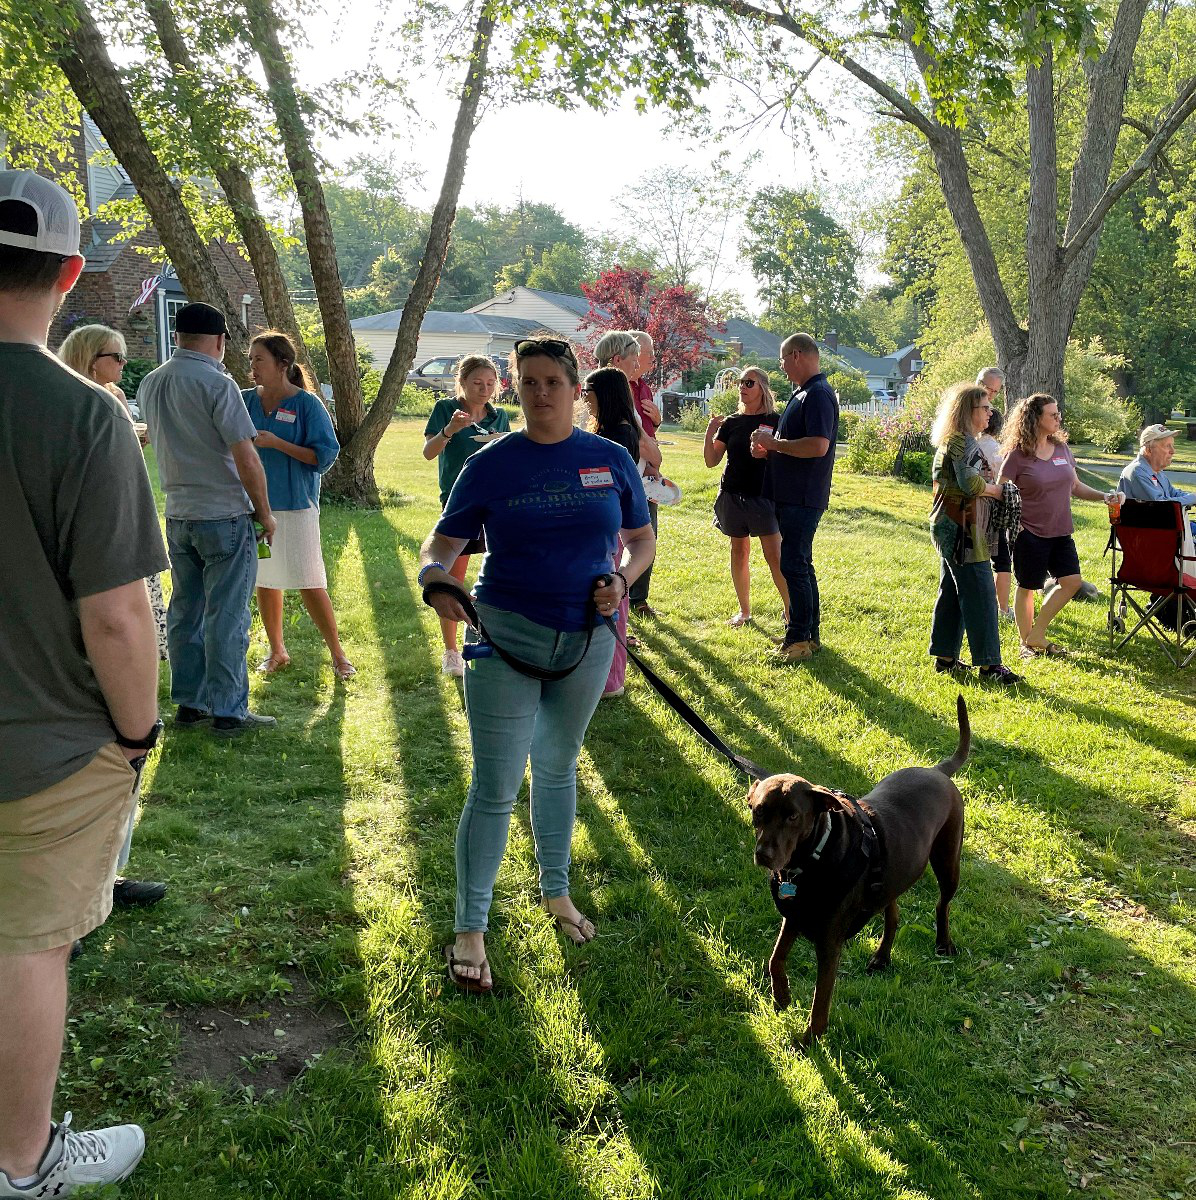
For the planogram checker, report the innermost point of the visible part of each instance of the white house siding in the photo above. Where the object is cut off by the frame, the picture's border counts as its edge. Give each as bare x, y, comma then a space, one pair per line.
381, 343
524, 303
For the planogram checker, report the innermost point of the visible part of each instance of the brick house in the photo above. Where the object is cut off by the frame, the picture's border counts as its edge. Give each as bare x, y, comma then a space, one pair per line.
117, 269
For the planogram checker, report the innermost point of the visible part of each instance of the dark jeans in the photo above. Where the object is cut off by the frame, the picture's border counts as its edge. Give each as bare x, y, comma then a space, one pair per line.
213, 567
967, 600
639, 589
799, 523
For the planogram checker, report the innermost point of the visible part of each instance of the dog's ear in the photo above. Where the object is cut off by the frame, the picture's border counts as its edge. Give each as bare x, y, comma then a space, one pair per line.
823, 799
751, 793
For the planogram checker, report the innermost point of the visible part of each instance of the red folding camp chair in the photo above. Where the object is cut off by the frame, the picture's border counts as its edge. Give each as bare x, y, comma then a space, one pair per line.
1154, 579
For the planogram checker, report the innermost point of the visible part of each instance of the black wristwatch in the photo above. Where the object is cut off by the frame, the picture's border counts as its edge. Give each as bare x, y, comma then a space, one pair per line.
146, 743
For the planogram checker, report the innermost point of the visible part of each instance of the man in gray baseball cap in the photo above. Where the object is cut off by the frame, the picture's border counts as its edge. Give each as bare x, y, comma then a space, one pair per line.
1144, 477
78, 683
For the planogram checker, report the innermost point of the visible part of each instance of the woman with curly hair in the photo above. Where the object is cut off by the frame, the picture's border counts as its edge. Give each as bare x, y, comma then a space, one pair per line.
1038, 460
963, 488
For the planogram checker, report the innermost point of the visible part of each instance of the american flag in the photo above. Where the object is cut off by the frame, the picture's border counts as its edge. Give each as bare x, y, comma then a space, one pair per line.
147, 290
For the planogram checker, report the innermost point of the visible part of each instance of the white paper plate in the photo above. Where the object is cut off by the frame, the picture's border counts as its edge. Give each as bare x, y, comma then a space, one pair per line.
487, 437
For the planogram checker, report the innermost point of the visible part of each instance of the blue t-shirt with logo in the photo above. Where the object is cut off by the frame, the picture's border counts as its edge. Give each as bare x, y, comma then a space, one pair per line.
551, 515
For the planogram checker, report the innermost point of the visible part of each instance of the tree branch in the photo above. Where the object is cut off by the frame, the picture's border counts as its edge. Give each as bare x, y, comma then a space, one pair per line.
1181, 109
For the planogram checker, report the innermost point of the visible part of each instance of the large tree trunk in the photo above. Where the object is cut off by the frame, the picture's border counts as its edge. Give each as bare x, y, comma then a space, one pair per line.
353, 474
84, 60
205, 124
321, 248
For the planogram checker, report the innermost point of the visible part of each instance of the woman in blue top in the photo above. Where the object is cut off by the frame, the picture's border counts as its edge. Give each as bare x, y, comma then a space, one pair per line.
297, 444
552, 500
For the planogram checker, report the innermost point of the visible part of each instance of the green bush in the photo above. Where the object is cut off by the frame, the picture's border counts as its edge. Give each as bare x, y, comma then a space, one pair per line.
414, 401
871, 448
693, 419
848, 423
724, 403
916, 466
136, 369
852, 388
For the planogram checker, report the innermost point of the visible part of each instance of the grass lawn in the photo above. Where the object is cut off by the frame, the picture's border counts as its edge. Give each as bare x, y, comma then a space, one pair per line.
311, 883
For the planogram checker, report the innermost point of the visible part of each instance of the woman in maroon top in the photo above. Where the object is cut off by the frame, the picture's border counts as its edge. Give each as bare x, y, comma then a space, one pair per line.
1038, 460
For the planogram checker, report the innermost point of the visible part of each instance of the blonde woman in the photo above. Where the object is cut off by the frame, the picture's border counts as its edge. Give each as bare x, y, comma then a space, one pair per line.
99, 354
741, 510
963, 487
1038, 460
451, 436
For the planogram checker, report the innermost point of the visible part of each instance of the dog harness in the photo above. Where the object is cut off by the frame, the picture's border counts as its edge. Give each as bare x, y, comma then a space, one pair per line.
870, 847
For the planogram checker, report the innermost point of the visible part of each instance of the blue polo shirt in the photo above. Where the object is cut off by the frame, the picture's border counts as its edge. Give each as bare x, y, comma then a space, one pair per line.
811, 412
551, 515
303, 421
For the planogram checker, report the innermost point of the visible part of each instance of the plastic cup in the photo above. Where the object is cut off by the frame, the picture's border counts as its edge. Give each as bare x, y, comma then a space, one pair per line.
263, 546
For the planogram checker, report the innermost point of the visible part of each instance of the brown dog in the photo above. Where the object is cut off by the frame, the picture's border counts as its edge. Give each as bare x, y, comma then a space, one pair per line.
835, 863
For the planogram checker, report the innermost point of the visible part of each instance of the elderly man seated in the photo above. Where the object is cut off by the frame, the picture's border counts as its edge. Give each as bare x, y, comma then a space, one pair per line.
1144, 477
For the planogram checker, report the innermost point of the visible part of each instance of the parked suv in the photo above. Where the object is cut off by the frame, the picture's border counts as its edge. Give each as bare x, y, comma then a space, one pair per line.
440, 375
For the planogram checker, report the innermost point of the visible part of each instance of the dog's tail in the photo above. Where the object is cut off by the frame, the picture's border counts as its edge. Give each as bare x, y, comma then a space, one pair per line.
950, 765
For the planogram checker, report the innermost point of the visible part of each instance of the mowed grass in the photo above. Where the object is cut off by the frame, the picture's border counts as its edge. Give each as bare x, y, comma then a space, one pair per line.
1057, 1053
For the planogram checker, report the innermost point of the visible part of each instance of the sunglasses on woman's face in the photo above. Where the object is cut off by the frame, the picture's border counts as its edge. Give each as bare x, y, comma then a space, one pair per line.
120, 358
749, 383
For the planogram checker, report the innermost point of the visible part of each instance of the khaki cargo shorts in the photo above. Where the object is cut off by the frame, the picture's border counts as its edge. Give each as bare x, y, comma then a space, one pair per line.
58, 852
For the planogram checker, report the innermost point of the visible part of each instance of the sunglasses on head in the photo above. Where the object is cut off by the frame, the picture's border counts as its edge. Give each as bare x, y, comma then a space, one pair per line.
120, 358
553, 347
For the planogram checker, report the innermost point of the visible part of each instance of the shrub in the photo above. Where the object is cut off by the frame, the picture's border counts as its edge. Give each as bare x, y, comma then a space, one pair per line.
848, 423
871, 448
693, 419
916, 466
724, 403
414, 401
136, 369
852, 388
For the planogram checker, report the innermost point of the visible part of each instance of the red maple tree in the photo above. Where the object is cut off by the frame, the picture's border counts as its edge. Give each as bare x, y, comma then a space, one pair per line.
678, 322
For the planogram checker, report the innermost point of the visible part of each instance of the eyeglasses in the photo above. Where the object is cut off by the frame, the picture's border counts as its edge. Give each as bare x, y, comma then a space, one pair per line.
553, 347
120, 358
988, 407
749, 383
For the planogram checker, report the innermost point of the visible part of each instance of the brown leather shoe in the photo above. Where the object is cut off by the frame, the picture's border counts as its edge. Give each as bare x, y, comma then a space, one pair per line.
795, 651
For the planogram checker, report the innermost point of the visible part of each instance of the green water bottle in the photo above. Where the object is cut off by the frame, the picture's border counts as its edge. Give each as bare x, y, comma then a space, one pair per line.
263, 546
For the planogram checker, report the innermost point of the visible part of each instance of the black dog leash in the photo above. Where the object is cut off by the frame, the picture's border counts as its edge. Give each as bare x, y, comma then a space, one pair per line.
531, 670
666, 692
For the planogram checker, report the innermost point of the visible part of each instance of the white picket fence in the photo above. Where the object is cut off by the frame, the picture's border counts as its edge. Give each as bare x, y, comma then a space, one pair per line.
874, 408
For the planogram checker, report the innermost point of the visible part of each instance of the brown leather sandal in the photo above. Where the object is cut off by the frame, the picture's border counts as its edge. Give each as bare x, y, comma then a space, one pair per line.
463, 982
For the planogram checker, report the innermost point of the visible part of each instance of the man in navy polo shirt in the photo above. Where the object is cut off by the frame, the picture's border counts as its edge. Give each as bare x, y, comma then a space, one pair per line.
801, 456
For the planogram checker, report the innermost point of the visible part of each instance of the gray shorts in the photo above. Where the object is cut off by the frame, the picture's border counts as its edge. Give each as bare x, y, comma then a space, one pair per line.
744, 516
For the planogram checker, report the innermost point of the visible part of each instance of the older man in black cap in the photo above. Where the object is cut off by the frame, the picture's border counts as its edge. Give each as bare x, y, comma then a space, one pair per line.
215, 490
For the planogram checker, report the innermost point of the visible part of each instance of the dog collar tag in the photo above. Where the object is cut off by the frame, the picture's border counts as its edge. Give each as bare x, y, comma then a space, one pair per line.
787, 890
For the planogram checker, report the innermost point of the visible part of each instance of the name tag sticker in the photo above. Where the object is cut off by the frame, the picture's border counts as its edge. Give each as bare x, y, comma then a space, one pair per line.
287, 418
596, 477
1059, 462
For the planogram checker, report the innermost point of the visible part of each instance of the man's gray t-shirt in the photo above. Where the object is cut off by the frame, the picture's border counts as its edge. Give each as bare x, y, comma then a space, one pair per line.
79, 519
194, 412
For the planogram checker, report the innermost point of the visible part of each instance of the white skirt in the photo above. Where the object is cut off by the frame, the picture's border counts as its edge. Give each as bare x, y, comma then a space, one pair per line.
296, 559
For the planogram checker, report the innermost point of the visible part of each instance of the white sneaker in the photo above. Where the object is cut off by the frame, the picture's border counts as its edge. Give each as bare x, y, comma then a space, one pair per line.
75, 1160
453, 664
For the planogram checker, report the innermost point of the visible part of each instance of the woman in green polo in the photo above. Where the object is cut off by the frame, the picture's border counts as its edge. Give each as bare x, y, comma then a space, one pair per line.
458, 427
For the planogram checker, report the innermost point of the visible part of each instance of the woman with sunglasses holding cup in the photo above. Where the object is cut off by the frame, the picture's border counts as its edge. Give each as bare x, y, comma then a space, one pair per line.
741, 511
99, 354
551, 499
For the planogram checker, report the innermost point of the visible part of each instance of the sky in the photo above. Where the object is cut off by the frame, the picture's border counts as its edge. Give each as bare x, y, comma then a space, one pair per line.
588, 158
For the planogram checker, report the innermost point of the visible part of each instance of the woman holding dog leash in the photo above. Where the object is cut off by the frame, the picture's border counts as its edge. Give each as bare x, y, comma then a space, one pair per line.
967, 600
551, 501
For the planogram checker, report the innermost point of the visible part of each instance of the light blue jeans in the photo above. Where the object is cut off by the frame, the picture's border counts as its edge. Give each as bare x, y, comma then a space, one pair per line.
213, 566
511, 716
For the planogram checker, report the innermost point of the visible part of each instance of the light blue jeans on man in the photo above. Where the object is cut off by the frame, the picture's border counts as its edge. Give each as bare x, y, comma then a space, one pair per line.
213, 567
510, 717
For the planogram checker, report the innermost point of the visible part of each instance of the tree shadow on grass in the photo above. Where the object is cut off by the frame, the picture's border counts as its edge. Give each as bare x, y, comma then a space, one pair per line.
504, 1108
